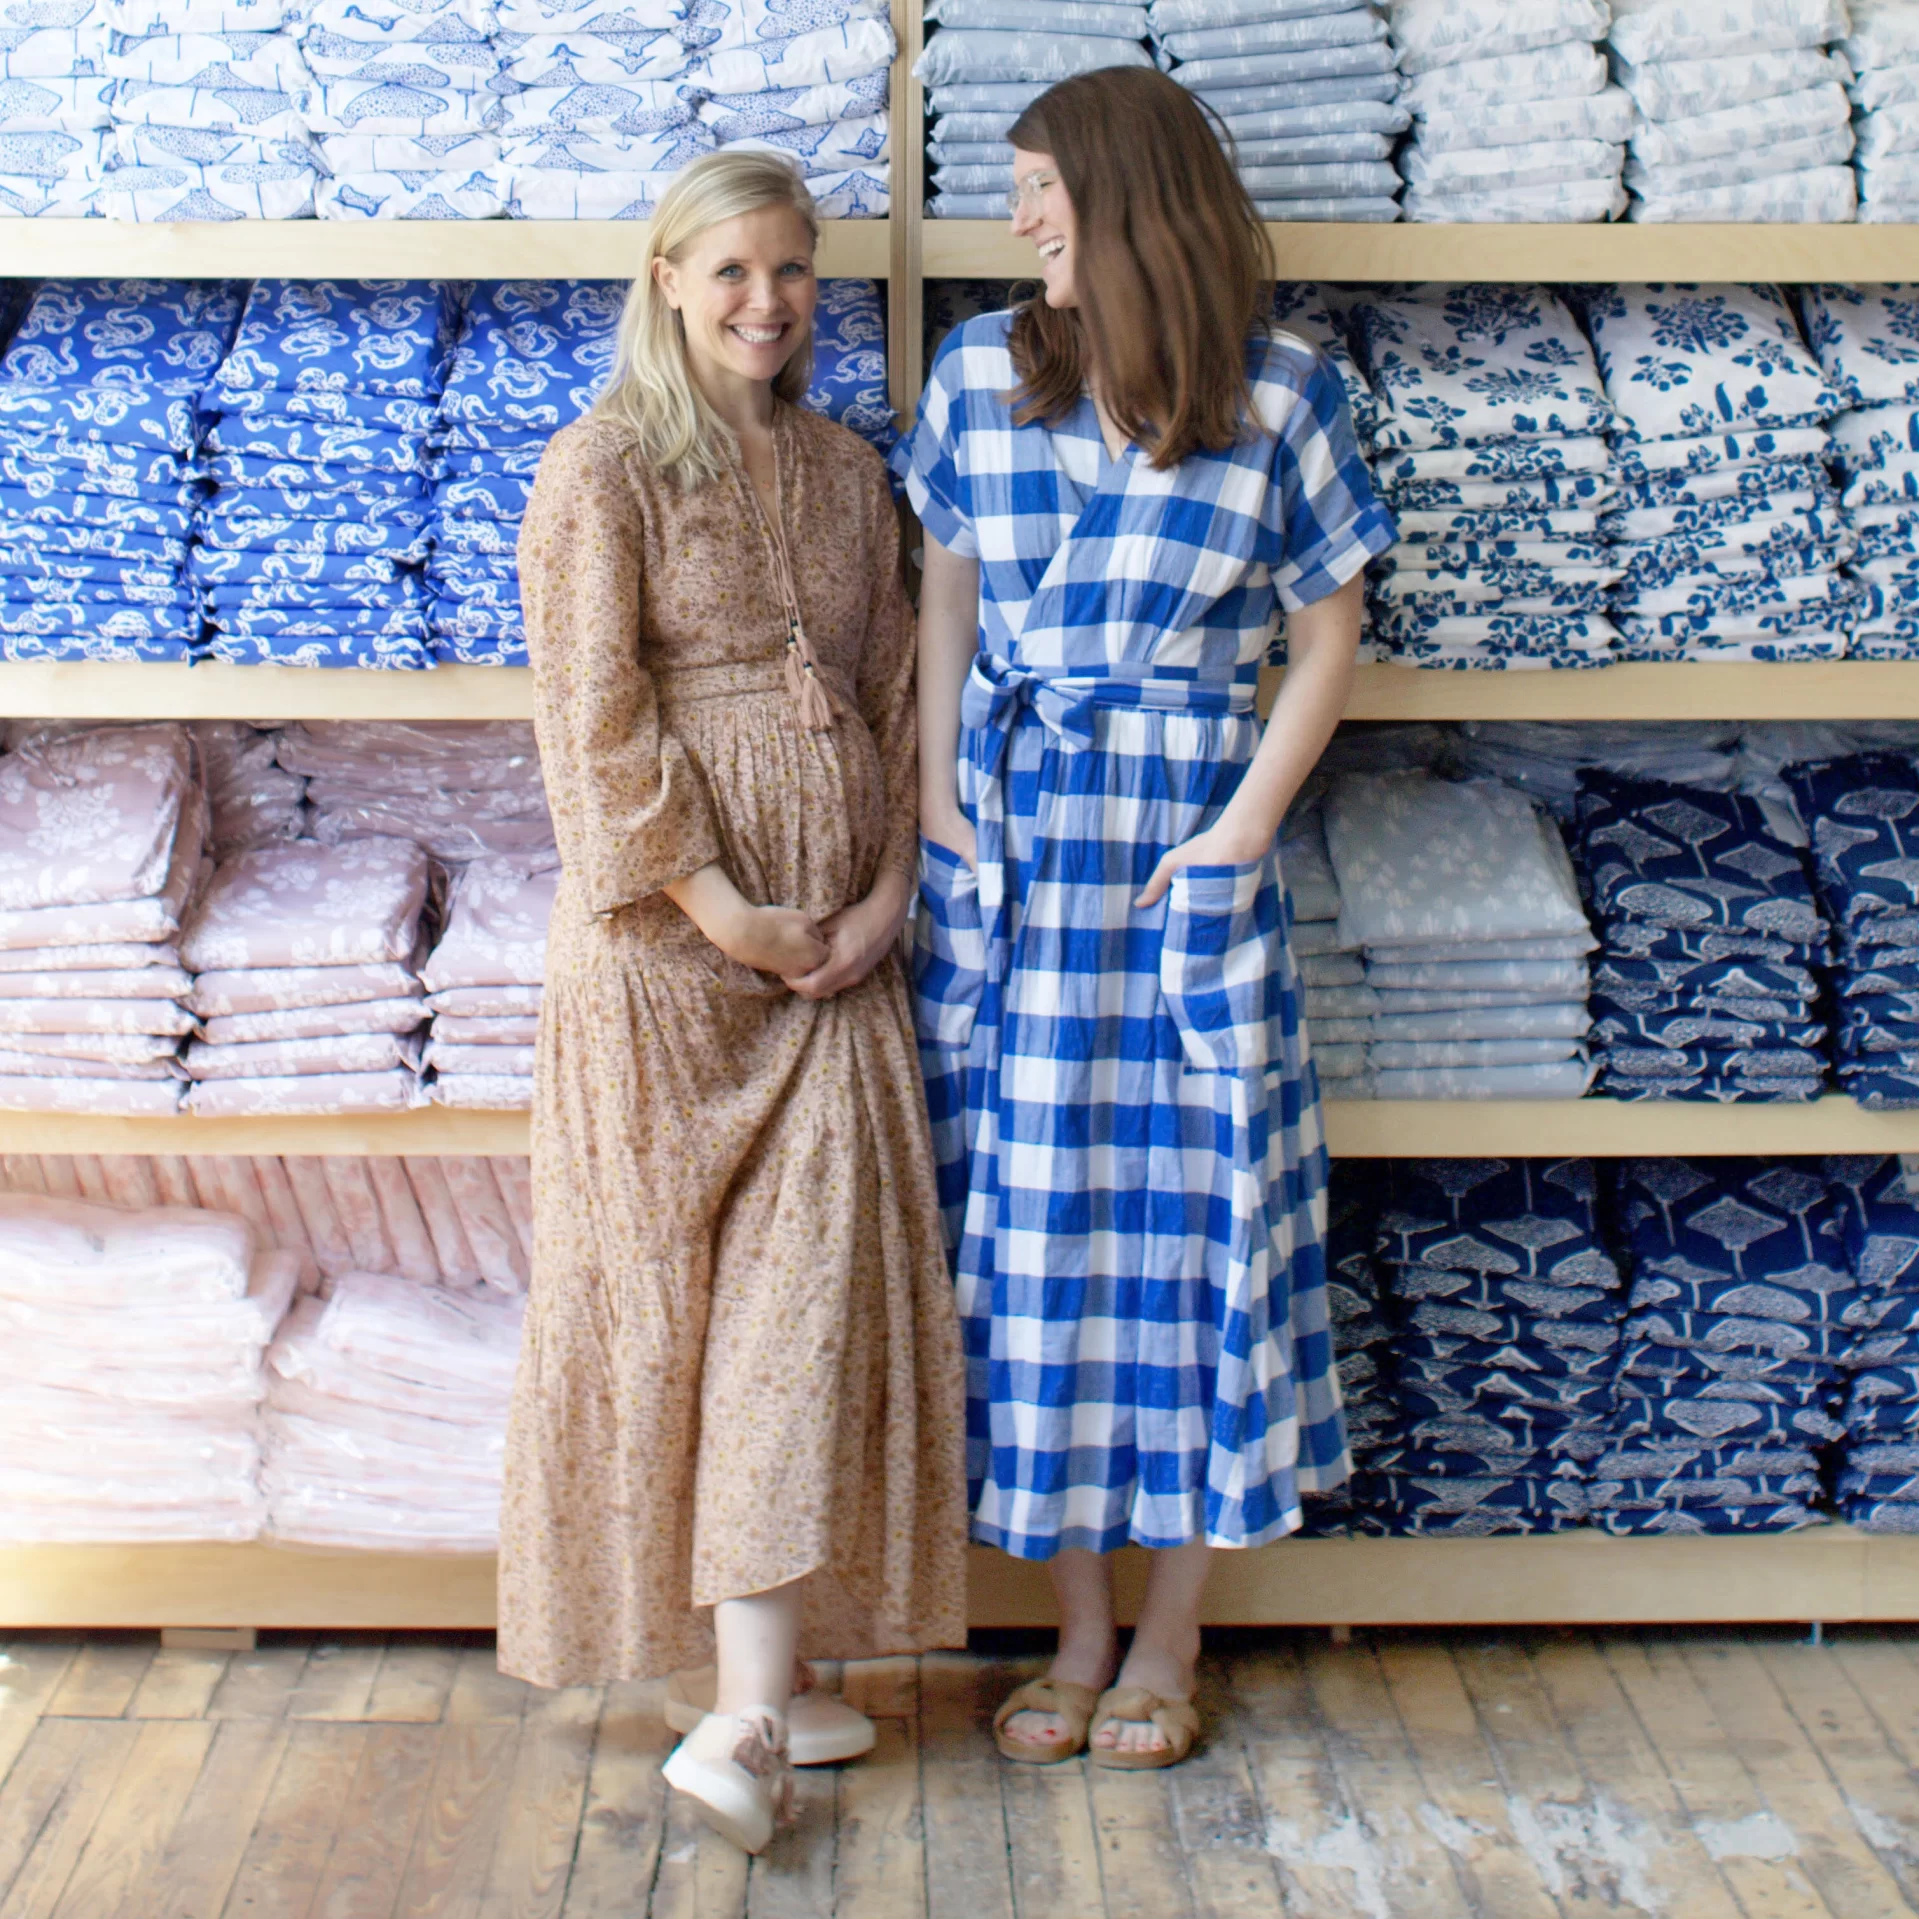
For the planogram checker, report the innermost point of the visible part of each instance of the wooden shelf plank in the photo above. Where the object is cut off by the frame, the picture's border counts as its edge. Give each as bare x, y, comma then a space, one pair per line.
382, 249
433, 1129
986, 249
78, 689
1580, 1578
1415, 1128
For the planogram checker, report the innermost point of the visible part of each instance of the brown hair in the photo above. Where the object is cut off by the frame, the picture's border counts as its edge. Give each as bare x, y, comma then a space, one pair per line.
1170, 260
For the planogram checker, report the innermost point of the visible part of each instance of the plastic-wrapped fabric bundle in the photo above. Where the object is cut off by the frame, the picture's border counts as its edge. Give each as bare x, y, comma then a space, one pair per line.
1878, 1469
1490, 448
405, 99
250, 799
530, 358
1881, 70
311, 546
1740, 1313
101, 466
208, 101
1862, 335
1738, 109
101, 838
1007, 52
136, 1342
494, 945
1308, 96
1513, 119
1544, 757
1860, 812
297, 906
385, 1425
1725, 530
1505, 1308
610, 105
1707, 986
1462, 899
53, 119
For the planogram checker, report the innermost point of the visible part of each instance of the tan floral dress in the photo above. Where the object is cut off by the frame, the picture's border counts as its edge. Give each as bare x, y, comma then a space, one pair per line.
741, 1362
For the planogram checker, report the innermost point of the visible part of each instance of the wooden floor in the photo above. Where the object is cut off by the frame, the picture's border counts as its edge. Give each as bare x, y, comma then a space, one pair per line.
1404, 1775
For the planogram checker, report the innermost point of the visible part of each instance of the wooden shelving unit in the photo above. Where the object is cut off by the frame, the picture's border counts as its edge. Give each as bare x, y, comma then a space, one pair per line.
1829, 1573
1832, 1573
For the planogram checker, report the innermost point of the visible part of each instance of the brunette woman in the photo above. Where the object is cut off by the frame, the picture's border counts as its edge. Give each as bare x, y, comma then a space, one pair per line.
1124, 483
738, 1413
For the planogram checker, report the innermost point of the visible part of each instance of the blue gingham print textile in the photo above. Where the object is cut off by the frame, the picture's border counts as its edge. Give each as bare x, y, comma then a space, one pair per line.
1126, 1115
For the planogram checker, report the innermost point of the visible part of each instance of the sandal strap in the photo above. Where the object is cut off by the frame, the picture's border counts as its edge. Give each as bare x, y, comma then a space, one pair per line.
1137, 1706
1062, 1697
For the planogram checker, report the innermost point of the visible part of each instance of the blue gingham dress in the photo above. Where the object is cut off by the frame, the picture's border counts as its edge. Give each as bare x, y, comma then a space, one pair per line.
1125, 1113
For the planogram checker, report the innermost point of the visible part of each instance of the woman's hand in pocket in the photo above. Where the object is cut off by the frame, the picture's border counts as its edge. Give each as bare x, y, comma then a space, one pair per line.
1222, 844
857, 938
952, 830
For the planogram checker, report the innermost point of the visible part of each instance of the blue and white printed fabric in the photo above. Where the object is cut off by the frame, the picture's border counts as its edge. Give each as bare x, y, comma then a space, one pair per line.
1882, 55
53, 88
1124, 616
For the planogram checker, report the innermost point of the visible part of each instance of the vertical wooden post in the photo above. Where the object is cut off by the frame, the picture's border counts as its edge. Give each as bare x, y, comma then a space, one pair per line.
905, 298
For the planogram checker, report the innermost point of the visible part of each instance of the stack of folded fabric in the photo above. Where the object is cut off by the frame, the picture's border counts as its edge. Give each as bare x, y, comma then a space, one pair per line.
1739, 1312
1464, 902
386, 1417
208, 107
989, 61
1863, 337
101, 470
312, 543
53, 107
1860, 812
609, 105
1739, 114
530, 357
1878, 1470
101, 837
405, 97
1506, 1309
1338, 1003
460, 789
135, 1343
307, 958
250, 800
1882, 52
1515, 120
485, 978
1725, 529
1545, 757
1705, 988
1490, 449
1307, 92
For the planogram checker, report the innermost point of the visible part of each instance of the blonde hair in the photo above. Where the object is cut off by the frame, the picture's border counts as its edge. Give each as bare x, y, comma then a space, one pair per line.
649, 387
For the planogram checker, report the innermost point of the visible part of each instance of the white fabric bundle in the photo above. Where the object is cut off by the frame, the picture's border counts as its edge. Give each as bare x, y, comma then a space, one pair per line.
1739, 113
1882, 52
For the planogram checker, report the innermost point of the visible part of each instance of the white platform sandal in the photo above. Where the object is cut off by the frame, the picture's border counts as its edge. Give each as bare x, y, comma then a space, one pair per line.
820, 1730
739, 1780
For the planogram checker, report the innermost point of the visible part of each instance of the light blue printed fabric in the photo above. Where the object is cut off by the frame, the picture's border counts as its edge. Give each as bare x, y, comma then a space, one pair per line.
1105, 1405
1100, 18
974, 57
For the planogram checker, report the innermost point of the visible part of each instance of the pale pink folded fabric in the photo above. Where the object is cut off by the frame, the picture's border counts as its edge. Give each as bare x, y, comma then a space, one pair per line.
514, 1060
35, 1066
317, 1022
92, 816
273, 1059
397, 1091
131, 1048
127, 982
119, 1098
483, 1092
487, 1001
95, 1016
498, 1029
496, 927
298, 903
112, 956
272, 989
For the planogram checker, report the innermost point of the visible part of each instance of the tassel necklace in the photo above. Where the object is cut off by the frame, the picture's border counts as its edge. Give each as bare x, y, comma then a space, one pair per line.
803, 680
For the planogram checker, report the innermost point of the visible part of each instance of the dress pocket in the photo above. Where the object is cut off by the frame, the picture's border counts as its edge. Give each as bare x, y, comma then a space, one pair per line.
1215, 967
949, 949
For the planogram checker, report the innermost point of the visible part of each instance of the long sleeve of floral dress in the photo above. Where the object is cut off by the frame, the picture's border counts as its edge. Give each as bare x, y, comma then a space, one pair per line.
629, 808
887, 682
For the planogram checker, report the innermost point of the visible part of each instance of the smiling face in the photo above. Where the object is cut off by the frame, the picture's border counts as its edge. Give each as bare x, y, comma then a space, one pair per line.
1044, 215
745, 291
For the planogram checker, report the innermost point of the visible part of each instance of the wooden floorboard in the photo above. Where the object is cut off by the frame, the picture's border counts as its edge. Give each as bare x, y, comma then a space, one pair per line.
1540, 1775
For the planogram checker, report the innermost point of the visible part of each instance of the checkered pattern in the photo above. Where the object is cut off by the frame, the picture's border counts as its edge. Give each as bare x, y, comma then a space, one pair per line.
1126, 1114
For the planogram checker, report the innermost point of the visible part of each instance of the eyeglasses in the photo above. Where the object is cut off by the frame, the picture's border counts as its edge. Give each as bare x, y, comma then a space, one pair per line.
1029, 192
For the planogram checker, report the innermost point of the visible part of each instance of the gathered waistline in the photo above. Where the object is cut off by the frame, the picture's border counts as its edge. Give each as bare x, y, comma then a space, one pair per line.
678, 684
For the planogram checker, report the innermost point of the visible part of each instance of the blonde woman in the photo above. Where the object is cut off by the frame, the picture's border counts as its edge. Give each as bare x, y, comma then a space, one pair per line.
738, 1419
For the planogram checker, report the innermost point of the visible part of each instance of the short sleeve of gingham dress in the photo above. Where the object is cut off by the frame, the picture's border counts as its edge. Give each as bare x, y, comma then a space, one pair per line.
1125, 1110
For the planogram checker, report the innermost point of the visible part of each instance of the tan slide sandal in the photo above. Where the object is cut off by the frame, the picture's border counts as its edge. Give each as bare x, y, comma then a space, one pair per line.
1178, 1725
1064, 1700
820, 1729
